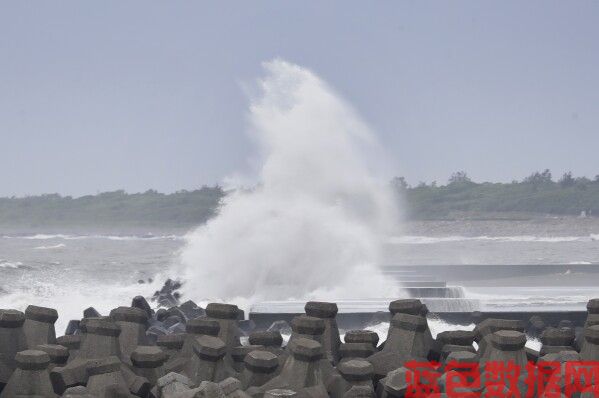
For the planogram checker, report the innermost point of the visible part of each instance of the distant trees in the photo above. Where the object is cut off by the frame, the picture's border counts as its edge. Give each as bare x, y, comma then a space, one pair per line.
399, 183
567, 180
459, 177
537, 178
116, 208
537, 193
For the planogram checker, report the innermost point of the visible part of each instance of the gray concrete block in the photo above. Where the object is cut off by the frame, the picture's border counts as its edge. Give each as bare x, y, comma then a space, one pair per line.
39, 326
362, 336
266, 338
12, 340
31, 376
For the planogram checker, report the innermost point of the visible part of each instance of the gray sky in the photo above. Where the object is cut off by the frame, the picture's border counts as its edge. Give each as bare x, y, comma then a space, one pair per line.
134, 94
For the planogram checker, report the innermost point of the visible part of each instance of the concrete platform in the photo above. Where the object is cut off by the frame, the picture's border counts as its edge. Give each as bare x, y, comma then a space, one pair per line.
558, 291
360, 320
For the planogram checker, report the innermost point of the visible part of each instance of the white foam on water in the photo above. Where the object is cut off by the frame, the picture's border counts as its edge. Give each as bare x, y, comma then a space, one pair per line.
10, 264
51, 247
437, 326
314, 225
71, 300
427, 240
80, 237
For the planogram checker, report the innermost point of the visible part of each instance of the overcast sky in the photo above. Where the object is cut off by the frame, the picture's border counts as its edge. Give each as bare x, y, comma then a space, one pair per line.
105, 95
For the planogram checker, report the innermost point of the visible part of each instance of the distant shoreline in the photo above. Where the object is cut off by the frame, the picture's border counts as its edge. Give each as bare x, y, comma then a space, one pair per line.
459, 200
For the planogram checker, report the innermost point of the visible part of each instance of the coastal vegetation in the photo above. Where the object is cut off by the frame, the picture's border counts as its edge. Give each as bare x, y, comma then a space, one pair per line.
538, 194
117, 208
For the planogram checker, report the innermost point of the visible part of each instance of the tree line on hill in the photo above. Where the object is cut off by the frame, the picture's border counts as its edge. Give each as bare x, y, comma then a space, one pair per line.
538, 193
117, 208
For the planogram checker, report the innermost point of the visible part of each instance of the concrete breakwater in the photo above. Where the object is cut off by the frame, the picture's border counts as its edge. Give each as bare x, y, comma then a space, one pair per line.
184, 350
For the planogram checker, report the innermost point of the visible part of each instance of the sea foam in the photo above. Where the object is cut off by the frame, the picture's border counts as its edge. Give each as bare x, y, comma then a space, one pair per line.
314, 225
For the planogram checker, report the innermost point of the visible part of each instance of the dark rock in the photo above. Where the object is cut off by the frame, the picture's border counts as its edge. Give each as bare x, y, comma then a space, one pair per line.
170, 286
161, 314
176, 311
167, 300
191, 310
91, 313
72, 327
246, 326
177, 328
170, 321
141, 303
154, 332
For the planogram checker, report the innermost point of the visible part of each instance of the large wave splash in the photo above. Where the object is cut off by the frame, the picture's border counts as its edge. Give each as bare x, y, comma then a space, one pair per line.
314, 225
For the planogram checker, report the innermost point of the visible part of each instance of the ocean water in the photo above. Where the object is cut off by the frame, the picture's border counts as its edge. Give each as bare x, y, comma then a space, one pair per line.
72, 270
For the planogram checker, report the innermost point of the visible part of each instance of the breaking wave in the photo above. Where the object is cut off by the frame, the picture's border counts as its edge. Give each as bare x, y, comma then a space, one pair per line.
10, 264
314, 225
51, 247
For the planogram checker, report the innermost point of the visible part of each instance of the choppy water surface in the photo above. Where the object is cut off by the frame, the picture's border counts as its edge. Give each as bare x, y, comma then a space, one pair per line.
71, 270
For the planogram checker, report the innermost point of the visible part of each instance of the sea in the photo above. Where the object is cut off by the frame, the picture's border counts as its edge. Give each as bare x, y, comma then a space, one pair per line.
72, 269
